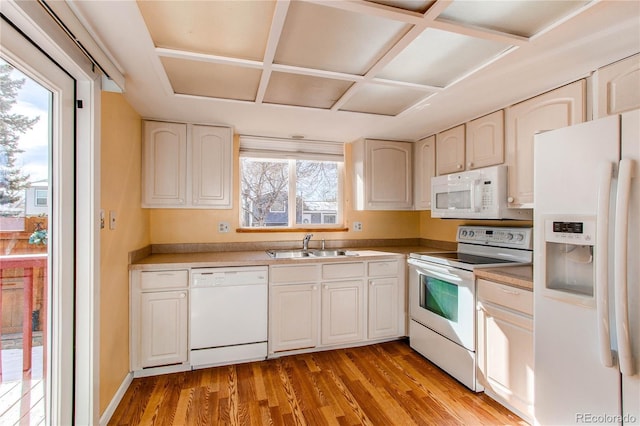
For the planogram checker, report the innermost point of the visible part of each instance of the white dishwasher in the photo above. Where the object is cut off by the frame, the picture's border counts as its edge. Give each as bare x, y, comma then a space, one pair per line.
228, 315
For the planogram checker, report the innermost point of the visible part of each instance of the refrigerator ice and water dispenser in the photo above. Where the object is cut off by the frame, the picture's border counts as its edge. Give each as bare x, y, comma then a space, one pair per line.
569, 245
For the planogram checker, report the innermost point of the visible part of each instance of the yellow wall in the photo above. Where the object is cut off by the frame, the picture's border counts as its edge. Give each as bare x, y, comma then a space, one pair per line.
200, 226
120, 192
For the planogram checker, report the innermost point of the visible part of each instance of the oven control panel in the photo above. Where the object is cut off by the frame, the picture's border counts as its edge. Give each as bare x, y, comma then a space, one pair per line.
496, 236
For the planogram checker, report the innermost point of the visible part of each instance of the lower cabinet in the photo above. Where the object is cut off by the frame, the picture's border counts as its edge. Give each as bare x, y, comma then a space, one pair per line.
343, 315
163, 328
335, 303
293, 320
505, 345
159, 313
383, 308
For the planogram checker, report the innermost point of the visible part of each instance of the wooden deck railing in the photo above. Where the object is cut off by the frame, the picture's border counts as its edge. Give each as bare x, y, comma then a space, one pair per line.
28, 263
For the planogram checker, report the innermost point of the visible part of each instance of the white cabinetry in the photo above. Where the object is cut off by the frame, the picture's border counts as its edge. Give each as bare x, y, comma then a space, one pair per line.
211, 166
187, 166
294, 299
386, 297
424, 168
558, 108
505, 345
618, 87
478, 143
450, 151
485, 141
343, 303
165, 164
335, 304
383, 175
159, 318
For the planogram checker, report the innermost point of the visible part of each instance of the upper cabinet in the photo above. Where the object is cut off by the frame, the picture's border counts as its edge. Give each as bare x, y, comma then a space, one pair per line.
164, 164
618, 87
485, 141
187, 166
383, 175
211, 166
478, 143
450, 151
558, 108
424, 168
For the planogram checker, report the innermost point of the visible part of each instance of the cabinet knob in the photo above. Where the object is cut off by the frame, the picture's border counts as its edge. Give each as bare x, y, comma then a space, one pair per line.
469, 164
314, 287
510, 199
183, 295
373, 284
459, 166
326, 287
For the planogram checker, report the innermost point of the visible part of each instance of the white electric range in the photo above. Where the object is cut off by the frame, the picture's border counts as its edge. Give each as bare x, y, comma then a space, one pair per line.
442, 295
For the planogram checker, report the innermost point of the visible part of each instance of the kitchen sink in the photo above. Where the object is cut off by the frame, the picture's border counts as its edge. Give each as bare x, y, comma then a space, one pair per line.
288, 254
301, 253
328, 253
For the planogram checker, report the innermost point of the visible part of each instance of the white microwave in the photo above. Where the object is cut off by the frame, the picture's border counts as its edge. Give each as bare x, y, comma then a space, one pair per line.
474, 194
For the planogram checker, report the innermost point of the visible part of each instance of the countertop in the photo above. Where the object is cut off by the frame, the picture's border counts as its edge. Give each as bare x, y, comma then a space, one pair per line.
257, 258
517, 275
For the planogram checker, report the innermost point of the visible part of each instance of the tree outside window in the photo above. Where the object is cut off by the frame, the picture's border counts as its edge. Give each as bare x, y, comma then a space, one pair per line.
289, 193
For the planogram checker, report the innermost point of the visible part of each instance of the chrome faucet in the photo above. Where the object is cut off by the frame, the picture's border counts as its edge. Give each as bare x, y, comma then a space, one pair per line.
305, 241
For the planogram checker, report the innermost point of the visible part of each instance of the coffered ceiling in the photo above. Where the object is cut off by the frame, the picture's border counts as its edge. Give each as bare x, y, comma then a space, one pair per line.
379, 68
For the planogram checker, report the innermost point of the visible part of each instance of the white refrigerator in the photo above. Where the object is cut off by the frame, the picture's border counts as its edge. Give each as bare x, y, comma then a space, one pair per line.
586, 273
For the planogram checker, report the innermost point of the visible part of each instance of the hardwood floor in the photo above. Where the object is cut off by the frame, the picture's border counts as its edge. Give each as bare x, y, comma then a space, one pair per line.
384, 384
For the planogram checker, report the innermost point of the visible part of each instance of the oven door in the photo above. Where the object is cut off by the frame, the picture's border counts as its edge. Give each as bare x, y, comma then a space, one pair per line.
443, 299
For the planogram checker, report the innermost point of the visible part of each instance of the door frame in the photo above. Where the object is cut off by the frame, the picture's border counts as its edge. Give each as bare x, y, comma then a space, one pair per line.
80, 397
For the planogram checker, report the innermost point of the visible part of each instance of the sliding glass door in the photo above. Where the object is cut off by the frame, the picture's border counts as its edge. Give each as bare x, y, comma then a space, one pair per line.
37, 216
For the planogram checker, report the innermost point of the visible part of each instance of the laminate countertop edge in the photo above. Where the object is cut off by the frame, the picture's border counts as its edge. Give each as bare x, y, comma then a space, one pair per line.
517, 275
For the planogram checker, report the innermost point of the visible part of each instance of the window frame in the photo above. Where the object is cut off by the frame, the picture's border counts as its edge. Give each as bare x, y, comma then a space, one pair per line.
284, 150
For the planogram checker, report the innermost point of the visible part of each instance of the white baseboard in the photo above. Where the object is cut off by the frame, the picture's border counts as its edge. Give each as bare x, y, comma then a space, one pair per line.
115, 401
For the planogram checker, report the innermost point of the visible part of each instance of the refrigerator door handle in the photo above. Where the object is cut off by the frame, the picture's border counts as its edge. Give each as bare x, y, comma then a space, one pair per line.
601, 264
625, 354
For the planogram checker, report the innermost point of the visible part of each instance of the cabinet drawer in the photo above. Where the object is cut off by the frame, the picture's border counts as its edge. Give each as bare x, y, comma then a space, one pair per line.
333, 271
383, 268
510, 297
155, 280
293, 274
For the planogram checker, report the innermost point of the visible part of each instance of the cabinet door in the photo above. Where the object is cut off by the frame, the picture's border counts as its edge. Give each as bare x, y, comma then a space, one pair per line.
485, 141
389, 175
293, 317
450, 151
211, 166
163, 328
424, 156
618, 87
342, 312
552, 110
505, 357
165, 164
383, 308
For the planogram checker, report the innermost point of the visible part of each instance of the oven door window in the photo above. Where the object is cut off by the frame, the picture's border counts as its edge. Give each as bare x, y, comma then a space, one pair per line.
439, 297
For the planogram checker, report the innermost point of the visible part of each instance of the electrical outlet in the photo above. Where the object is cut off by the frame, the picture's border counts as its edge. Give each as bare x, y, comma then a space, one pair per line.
223, 226
112, 219
357, 226
102, 219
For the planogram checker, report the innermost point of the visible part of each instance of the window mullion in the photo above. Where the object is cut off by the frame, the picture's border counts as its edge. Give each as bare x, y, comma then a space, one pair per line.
292, 193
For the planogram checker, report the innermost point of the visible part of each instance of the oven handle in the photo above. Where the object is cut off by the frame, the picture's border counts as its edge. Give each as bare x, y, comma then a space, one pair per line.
439, 271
